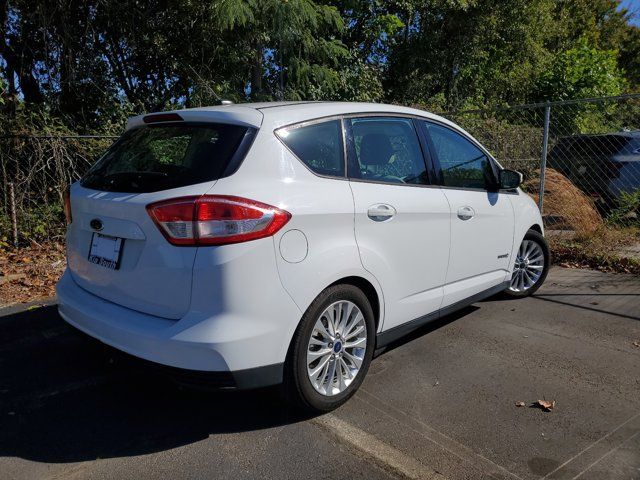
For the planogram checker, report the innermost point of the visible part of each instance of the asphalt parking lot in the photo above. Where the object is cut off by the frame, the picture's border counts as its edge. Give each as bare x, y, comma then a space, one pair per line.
440, 404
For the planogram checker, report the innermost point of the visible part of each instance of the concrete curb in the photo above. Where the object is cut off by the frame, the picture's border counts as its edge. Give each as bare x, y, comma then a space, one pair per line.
13, 308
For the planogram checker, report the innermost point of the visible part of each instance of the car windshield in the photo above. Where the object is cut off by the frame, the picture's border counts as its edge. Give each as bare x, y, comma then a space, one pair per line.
155, 158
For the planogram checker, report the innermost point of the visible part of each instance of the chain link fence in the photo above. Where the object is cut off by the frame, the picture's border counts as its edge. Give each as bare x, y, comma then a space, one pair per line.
580, 158
35, 170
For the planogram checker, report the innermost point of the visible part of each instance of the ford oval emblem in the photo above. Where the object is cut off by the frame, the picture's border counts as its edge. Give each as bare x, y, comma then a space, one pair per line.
96, 224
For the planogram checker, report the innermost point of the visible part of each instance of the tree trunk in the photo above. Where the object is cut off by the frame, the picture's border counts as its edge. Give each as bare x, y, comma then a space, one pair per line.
256, 70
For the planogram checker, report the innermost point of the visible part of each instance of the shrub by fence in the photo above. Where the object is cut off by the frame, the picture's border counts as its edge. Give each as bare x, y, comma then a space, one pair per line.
36, 170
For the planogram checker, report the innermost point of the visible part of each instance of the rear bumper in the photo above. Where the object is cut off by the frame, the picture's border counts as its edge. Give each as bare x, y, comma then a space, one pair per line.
236, 351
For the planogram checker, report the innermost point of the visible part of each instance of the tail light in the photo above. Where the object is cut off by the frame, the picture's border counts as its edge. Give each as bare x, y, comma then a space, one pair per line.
66, 199
216, 219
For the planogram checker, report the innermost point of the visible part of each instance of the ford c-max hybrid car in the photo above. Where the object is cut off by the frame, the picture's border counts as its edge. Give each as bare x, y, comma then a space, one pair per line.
282, 243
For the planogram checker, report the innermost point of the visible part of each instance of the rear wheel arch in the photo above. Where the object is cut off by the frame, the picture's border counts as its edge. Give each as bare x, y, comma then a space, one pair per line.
365, 286
368, 289
536, 228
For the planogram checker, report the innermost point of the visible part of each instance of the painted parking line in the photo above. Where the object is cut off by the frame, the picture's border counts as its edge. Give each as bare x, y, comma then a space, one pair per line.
384, 455
597, 451
478, 462
583, 461
603, 457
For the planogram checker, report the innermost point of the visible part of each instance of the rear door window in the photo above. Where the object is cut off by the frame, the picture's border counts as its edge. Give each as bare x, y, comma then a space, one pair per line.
318, 146
386, 150
150, 159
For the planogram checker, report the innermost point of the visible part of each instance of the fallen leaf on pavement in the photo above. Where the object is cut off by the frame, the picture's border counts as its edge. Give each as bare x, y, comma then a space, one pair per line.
636, 344
520, 404
547, 405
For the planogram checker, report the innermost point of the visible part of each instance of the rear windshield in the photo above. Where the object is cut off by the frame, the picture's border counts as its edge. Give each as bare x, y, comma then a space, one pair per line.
154, 158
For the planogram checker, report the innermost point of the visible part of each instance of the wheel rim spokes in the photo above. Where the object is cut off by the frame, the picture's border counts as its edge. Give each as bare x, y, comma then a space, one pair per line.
528, 266
336, 348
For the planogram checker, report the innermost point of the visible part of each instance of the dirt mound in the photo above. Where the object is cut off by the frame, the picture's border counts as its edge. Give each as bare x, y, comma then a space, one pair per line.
565, 205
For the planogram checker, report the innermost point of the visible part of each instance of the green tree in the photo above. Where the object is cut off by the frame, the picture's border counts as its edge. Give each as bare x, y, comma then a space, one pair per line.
89, 60
471, 52
581, 72
629, 56
294, 45
92, 62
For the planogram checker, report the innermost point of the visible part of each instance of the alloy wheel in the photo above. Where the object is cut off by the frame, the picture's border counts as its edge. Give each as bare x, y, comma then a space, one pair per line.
528, 266
336, 348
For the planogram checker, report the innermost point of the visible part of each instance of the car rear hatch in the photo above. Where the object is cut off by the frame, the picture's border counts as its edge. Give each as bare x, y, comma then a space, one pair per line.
114, 248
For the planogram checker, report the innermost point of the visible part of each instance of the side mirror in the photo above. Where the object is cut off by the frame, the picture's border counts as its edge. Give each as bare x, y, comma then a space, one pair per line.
509, 179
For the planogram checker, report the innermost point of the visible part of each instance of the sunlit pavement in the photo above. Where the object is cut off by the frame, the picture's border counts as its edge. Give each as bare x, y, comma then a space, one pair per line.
439, 404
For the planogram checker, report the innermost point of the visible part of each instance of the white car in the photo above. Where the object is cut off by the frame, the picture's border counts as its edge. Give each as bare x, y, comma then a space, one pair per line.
285, 242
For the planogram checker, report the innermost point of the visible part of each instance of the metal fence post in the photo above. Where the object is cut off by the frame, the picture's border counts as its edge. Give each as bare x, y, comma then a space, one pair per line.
12, 214
543, 158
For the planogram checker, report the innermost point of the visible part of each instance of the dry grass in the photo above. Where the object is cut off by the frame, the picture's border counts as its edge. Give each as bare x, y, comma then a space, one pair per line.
603, 250
566, 204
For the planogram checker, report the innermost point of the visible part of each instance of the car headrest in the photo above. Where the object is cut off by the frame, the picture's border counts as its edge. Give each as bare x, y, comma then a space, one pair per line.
375, 149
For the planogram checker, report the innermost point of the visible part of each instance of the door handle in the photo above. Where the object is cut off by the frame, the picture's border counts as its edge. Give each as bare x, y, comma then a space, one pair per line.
466, 213
381, 212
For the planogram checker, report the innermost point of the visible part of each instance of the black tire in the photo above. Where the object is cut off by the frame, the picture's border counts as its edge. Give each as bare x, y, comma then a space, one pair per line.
297, 386
533, 236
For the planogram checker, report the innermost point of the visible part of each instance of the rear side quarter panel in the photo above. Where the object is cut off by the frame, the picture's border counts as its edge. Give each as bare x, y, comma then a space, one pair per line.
322, 210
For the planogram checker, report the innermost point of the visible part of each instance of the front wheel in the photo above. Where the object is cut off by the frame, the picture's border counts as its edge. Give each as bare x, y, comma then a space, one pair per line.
530, 267
331, 350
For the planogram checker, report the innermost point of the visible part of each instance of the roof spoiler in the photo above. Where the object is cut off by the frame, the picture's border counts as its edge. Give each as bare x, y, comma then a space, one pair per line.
162, 117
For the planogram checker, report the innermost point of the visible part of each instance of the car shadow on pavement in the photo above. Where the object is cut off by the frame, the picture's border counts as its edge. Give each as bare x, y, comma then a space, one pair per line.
65, 397
620, 305
427, 328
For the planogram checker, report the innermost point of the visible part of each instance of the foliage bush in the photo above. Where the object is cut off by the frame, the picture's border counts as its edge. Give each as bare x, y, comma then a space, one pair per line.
627, 209
38, 223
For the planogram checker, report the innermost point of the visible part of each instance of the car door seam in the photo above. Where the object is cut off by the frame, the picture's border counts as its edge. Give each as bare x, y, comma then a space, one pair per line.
446, 272
355, 239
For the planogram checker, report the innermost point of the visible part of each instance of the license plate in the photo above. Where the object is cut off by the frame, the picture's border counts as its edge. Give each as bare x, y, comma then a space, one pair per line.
106, 251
